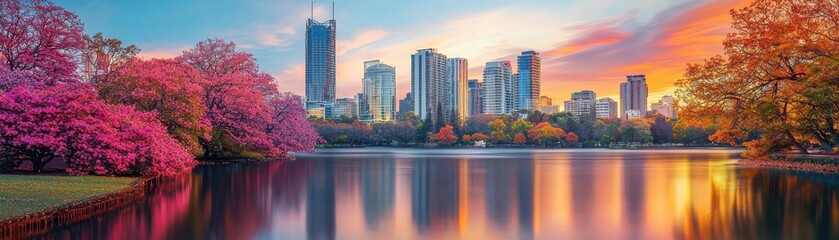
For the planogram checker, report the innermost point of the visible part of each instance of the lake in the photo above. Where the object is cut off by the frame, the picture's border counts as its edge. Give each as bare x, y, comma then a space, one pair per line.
385, 193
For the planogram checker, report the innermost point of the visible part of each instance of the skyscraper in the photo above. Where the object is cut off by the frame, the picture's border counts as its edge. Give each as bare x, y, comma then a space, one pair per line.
362, 109
380, 90
320, 63
529, 80
428, 83
476, 97
345, 107
458, 96
634, 95
498, 88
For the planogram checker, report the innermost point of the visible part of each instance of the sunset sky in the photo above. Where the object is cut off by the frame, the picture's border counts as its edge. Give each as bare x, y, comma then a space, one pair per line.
590, 44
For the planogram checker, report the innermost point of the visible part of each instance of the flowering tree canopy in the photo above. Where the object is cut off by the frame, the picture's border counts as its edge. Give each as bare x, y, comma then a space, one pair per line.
234, 93
288, 129
37, 35
446, 135
68, 122
169, 87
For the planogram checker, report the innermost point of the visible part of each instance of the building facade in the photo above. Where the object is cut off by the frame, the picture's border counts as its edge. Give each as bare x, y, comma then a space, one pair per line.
457, 75
665, 107
634, 95
606, 108
498, 88
380, 91
529, 70
579, 107
546, 101
584, 95
406, 104
346, 107
476, 97
320, 63
428, 78
362, 111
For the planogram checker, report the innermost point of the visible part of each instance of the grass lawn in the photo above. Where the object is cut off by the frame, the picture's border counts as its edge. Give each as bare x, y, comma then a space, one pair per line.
24, 194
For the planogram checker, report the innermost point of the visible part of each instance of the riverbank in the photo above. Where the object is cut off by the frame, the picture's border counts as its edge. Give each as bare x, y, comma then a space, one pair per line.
35, 204
826, 164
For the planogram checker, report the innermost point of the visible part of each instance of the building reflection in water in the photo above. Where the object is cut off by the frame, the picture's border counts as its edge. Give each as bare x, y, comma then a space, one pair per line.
481, 194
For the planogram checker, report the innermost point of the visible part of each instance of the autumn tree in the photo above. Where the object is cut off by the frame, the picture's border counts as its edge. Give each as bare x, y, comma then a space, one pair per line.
479, 137
499, 128
572, 138
446, 135
519, 139
779, 76
36, 35
102, 56
287, 128
521, 126
545, 134
169, 87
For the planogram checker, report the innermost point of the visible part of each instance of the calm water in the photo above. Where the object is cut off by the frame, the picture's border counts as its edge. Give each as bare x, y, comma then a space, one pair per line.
379, 193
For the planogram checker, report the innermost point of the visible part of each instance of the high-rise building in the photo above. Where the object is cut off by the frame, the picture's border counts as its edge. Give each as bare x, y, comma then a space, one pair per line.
606, 108
545, 101
476, 97
320, 62
515, 80
428, 83
362, 111
458, 96
406, 104
380, 90
346, 107
664, 107
529, 80
634, 95
498, 88
584, 95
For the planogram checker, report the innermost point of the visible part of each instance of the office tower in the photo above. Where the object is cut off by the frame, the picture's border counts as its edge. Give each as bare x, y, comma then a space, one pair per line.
498, 88
380, 91
529, 80
665, 107
320, 62
406, 104
579, 107
634, 96
346, 107
362, 109
606, 108
584, 95
428, 83
476, 97
458, 94
515, 80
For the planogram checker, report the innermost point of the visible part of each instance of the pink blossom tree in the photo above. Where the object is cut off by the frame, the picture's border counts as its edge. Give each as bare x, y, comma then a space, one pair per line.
288, 129
40, 124
37, 35
234, 96
166, 86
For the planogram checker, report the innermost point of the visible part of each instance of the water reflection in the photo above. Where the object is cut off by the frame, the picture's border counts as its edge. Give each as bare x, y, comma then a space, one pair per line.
482, 194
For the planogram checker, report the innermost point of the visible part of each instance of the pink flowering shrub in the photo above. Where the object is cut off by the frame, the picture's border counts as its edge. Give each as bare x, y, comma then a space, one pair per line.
67, 122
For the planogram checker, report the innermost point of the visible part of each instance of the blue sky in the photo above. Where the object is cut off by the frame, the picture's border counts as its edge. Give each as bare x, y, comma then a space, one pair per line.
585, 44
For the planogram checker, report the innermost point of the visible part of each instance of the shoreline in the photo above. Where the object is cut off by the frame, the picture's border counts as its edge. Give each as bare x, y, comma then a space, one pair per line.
38, 223
829, 168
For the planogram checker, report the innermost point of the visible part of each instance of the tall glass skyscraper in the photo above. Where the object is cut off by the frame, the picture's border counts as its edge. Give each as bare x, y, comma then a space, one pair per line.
498, 88
320, 63
428, 83
529, 80
380, 91
458, 93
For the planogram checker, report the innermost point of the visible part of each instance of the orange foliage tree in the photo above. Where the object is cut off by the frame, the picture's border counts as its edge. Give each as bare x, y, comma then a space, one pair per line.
519, 139
545, 134
779, 76
479, 137
572, 138
446, 135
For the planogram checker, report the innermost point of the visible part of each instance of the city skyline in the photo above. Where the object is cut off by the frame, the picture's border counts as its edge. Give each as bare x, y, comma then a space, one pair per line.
655, 38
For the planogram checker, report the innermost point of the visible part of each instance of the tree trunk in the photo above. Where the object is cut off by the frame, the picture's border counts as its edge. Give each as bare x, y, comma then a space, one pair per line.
795, 143
828, 148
